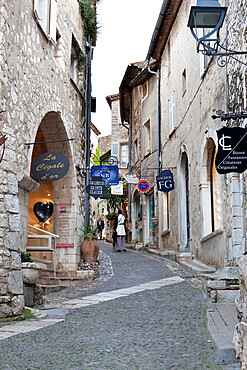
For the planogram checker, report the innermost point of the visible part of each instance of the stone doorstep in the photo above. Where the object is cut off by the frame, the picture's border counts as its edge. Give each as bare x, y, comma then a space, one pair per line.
196, 268
222, 319
51, 288
169, 254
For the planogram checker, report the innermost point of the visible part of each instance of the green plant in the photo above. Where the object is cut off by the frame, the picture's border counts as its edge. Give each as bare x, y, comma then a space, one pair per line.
88, 232
116, 201
81, 60
88, 12
26, 257
96, 158
111, 216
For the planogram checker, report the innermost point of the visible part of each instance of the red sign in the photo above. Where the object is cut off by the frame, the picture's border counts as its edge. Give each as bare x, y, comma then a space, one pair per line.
64, 245
143, 186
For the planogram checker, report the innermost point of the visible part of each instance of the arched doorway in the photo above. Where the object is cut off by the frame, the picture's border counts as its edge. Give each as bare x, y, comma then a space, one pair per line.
184, 205
52, 207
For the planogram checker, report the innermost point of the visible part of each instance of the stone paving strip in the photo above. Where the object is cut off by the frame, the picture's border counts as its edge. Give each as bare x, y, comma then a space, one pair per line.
25, 326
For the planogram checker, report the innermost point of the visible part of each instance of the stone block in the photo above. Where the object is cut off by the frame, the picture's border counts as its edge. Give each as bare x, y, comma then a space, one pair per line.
13, 239
11, 203
17, 305
5, 310
15, 261
226, 296
14, 222
216, 284
5, 299
15, 283
3, 220
3, 273
3, 288
229, 273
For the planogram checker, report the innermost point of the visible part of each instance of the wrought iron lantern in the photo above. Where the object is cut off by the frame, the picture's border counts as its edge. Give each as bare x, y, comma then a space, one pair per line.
209, 16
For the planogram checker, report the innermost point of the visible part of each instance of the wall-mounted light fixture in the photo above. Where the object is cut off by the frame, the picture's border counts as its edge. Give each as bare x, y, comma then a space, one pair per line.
209, 16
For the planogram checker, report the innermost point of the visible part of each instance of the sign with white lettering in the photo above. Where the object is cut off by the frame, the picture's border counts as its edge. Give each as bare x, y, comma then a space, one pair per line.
110, 174
50, 166
232, 150
165, 181
96, 187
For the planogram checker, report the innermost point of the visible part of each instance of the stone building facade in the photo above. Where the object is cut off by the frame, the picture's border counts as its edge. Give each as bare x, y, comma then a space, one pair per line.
42, 101
138, 101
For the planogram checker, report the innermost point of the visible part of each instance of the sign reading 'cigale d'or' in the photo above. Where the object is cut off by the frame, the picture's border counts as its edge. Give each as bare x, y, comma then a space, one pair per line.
50, 166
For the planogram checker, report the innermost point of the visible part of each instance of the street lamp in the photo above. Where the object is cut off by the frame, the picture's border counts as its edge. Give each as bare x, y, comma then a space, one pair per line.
209, 15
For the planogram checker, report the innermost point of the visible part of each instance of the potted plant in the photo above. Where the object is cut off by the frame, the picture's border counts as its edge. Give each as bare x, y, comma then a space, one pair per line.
30, 269
89, 246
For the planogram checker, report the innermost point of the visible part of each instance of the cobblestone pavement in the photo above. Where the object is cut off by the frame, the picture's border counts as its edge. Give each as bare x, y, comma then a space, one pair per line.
164, 328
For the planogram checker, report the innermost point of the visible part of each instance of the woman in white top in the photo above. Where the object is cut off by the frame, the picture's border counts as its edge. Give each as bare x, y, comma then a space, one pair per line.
120, 229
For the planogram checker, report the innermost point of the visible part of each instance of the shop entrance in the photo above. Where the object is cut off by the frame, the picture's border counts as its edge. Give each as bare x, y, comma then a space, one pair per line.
50, 210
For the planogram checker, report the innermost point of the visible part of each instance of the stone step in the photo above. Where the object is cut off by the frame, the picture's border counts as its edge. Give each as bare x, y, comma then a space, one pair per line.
169, 254
51, 288
197, 268
185, 256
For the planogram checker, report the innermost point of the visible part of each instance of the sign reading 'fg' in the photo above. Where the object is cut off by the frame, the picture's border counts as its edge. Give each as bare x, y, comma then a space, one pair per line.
50, 166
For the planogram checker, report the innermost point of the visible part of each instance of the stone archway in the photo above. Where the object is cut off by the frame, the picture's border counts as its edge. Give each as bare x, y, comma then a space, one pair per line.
59, 195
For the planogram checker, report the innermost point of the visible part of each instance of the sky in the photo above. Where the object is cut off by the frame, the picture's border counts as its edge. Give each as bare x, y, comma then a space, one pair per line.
126, 29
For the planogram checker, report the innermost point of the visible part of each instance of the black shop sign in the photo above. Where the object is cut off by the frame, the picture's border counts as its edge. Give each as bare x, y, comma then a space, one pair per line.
50, 166
96, 187
232, 150
165, 181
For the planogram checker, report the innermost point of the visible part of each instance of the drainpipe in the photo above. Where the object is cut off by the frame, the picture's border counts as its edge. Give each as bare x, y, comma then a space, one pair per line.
158, 116
130, 139
89, 95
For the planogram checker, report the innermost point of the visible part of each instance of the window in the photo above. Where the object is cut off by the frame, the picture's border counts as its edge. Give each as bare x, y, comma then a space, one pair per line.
45, 12
124, 156
115, 150
210, 191
184, 82
172, 125
136, 150
145, 90
165, 211
204, 59
168, 58
74, 60
215, 194
147, 138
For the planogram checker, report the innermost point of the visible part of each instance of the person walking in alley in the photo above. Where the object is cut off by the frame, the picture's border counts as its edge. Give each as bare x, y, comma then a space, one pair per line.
120, 230
101, 226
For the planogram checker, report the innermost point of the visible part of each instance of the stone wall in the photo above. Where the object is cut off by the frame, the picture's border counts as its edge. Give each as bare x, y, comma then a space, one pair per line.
37, 90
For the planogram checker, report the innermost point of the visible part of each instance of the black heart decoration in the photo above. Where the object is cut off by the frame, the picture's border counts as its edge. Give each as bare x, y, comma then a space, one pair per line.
43, 211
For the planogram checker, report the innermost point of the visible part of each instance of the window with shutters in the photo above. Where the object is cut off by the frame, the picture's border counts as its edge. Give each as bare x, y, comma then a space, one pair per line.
115, 150
145, 90
136, 150
45, 12
147, 138
124, 155
204, 59
172, 123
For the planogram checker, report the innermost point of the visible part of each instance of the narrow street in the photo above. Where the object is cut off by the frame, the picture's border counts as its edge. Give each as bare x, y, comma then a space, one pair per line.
142, 312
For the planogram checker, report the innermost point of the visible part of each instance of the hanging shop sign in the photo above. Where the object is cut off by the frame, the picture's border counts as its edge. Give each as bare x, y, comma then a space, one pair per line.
117, 189
131, 179
165, 181
110, 174
232, 150
50, 166
96, 187
143, 186
43, 211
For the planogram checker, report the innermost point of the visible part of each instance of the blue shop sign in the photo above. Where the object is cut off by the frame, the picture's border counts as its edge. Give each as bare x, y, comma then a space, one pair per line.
165, 181
110, 174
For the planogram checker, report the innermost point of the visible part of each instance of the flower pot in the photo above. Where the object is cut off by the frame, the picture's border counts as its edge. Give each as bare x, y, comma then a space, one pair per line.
90, 250
30, 272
